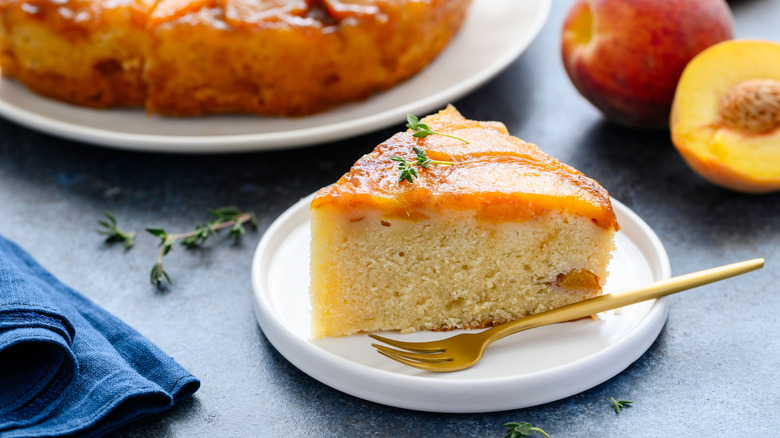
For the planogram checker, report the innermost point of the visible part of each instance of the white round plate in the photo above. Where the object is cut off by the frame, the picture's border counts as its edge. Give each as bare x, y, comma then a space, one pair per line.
494, 34
522, 370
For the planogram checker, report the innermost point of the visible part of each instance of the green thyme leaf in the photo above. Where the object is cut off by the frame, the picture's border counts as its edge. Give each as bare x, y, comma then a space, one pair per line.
113, 233
158, 274
518, 430
159, 232
421, 130
406, 170
619, 404
412, 122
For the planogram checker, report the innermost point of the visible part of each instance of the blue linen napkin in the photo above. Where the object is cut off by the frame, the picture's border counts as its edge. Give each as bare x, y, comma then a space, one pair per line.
67, 366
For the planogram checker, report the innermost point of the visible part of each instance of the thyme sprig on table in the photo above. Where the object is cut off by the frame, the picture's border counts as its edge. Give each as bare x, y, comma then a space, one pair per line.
230, 218
224, 217
408, 172
619, 404
421, 130
113, 233
519, 430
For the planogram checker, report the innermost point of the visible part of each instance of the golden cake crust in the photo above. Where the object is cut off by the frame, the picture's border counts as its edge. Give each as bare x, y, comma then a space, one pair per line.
192, 57
496, 176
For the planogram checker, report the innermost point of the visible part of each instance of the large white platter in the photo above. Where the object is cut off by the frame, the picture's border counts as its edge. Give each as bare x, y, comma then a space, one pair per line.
495, 33
525, 369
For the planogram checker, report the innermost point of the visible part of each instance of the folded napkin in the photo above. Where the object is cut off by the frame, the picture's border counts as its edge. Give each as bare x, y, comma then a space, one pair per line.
67, 366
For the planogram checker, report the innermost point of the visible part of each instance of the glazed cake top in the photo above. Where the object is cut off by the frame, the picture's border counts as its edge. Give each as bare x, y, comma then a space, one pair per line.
319, 14
496, 177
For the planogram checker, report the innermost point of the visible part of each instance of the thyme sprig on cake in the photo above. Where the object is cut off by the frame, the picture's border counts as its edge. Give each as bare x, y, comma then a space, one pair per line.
231, 218
408, 172
518, 430
113, 233
421, 130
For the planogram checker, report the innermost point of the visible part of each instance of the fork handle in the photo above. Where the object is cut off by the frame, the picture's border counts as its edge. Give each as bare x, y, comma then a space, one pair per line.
623, 298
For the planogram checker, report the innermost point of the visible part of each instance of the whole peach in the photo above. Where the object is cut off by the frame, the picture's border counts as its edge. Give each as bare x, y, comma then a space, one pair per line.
626, 56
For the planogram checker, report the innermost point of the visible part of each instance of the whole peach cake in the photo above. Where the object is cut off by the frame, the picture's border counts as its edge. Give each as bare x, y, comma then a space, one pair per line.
191, 57
491, 230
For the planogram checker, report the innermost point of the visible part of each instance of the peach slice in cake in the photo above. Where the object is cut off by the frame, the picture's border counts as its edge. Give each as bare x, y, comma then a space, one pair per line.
503, 232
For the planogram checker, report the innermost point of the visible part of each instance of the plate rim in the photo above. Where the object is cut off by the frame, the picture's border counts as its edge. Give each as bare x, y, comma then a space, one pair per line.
330, 368
266, 141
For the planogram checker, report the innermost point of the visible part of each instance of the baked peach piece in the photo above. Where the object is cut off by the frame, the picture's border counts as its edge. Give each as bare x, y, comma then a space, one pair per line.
725, 118
289, 58
87, 52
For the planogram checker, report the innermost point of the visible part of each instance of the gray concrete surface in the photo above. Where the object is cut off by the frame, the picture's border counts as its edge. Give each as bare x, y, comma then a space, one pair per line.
712, 371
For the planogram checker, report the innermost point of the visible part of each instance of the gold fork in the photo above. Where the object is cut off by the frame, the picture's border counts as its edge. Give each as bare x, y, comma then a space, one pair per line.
466, 349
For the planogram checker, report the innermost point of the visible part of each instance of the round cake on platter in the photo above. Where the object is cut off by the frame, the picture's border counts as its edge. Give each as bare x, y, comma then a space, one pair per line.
195, 57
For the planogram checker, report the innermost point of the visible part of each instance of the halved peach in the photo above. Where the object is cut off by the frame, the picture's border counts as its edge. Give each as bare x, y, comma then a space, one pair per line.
725, 119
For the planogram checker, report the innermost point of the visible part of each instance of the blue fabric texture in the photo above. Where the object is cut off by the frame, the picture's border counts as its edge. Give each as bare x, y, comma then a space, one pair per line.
67, 366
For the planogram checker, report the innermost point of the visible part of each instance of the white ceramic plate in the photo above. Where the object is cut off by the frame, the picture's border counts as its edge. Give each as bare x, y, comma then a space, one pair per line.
495, 33
522, 370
